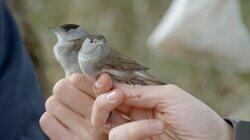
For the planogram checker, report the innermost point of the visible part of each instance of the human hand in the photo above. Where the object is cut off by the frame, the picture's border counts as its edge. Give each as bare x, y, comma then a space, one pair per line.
70, 92
185, 117
68, 111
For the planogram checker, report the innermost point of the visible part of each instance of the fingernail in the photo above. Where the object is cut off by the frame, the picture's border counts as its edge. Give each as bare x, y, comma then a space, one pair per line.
60, 85
112, 97
98, 83
157, 126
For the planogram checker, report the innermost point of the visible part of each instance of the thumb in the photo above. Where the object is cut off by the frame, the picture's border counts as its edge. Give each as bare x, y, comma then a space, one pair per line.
150, 96
137, 130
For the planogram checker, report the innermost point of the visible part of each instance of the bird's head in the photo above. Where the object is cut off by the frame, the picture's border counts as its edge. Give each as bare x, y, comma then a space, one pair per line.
94, 43
69, 32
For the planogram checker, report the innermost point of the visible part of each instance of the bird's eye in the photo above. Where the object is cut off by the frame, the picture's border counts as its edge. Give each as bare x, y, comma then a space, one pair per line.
91, 40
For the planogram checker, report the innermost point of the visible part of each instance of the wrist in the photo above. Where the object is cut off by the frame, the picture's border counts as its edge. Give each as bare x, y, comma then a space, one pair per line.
227, 132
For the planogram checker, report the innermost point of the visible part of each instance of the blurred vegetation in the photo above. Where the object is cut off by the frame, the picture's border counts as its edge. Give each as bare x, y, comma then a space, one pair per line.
126, 25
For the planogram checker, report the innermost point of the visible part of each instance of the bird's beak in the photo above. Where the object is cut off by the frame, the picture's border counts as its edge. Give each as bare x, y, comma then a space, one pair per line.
53, 29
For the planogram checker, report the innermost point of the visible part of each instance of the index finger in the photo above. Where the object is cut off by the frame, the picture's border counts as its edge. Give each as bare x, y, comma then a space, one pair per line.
82, 83
103, 84
150, 96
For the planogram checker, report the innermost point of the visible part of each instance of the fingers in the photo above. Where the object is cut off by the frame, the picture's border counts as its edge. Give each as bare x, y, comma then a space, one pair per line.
65, 115
53, 128
82, 83
103, 84
137, 130
151, 96
138, 96
103, 106
141, 113
73, 98
60, 122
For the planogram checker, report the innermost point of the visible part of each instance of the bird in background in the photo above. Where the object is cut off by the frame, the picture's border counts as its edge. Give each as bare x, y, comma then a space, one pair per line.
79, 52
70, 38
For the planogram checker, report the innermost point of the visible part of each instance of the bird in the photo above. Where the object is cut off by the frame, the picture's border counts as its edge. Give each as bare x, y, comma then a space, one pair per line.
70, 39
96, 57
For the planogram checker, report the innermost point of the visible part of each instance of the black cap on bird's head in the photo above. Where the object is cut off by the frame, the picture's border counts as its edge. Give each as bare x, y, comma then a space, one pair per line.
68, 27
69, 32
65, 27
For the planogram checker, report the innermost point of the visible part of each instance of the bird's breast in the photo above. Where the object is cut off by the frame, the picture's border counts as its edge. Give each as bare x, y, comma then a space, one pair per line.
89, 66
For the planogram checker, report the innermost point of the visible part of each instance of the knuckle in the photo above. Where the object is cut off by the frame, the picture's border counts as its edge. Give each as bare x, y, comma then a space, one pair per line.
77, 78
172, 87
60, 86
127, 131
117, 133
99, 102
45, 121
136, 128
119, 98
51, 103
95, 122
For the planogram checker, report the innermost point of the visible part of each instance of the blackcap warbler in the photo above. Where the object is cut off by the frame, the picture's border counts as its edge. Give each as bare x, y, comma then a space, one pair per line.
70, 38
96, 57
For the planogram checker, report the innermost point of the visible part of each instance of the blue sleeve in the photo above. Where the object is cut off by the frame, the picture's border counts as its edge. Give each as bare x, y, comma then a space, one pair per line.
21, 101
241, 129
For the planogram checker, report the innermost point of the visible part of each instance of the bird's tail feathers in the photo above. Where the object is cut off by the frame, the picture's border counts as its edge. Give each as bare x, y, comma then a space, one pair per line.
148, 79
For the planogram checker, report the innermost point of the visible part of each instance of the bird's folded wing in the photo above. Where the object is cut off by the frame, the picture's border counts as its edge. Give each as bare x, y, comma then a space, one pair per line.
119, 61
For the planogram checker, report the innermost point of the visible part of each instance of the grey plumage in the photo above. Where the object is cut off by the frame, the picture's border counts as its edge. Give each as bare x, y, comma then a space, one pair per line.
70, 39
96, 57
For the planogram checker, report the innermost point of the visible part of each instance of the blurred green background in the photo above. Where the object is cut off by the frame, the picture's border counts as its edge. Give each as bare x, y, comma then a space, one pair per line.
126, 25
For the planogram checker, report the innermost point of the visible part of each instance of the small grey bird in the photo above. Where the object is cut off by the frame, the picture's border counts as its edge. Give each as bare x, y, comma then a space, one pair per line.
70, 38
96, 57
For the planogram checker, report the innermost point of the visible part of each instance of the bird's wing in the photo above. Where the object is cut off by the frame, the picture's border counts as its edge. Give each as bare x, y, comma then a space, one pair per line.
119, 61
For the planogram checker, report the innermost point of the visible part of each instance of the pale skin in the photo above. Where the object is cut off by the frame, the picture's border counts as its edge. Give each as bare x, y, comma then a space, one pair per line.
155, 112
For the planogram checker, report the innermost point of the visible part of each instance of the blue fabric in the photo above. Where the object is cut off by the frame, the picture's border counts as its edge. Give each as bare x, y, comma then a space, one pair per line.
241, 128
21, 101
